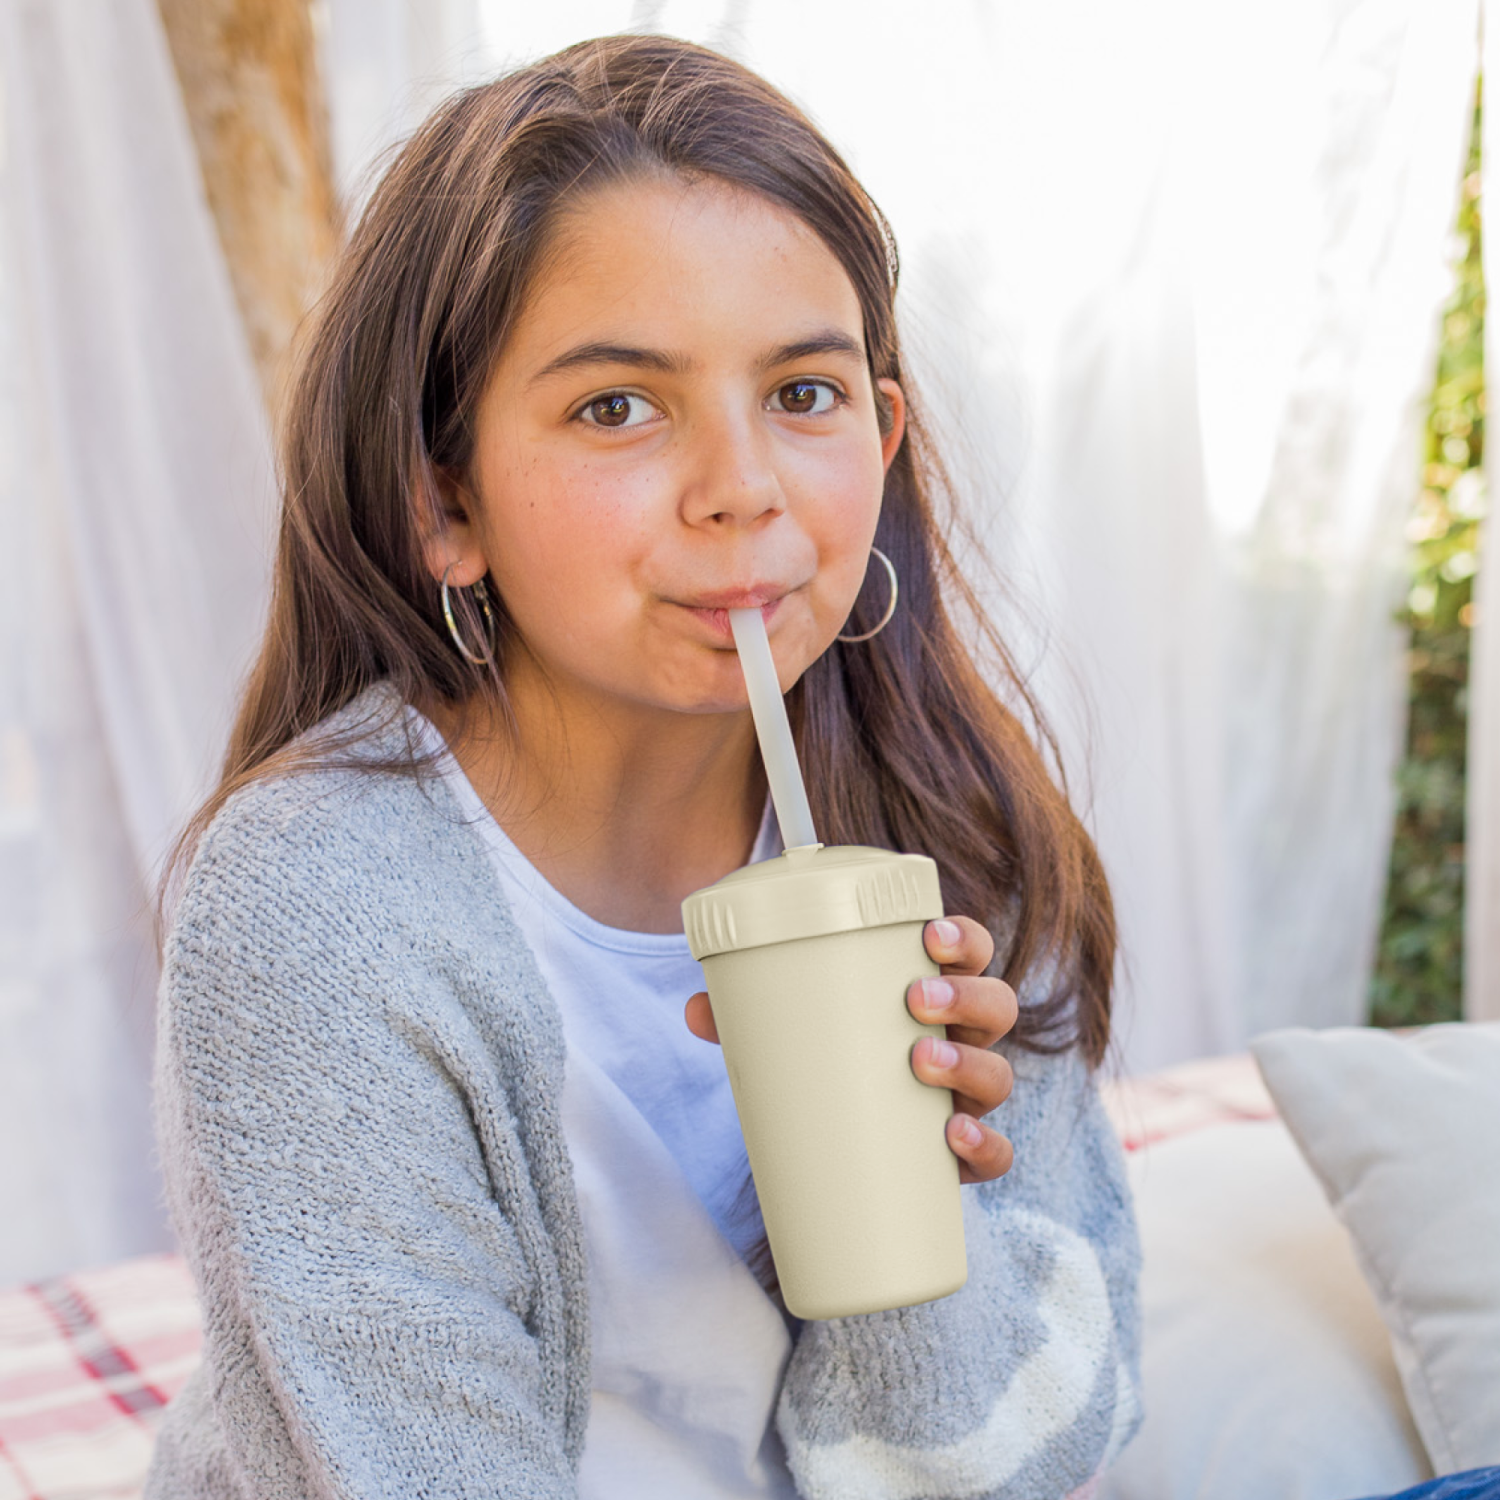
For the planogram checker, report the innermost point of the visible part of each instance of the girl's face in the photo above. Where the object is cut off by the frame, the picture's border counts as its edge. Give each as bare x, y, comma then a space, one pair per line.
682, 420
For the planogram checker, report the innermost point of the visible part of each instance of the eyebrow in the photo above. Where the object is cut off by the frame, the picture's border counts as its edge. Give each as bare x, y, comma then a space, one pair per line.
826, 341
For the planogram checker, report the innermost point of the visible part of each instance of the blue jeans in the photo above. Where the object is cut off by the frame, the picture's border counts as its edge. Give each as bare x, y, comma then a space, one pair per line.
1473, 1484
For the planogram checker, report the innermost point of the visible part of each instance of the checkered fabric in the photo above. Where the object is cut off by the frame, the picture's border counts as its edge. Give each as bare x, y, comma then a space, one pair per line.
1212, 1091
89, 1361
87, 1364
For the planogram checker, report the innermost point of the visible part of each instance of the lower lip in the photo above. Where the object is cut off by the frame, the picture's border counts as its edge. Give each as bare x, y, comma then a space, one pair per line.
717, 620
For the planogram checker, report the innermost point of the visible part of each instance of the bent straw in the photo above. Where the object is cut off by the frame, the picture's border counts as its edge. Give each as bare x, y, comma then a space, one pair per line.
772, 729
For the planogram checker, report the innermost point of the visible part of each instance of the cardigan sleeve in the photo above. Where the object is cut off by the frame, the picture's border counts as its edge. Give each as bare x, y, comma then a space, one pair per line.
381, 1286
1022, 1385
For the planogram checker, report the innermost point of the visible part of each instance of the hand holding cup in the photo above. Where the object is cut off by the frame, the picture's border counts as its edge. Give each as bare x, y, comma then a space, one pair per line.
977, 1011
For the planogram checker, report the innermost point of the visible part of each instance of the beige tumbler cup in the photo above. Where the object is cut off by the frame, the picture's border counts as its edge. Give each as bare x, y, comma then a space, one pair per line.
808, 957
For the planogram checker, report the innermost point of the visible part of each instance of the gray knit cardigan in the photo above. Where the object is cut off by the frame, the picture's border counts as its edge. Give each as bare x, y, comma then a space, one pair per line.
358, 1085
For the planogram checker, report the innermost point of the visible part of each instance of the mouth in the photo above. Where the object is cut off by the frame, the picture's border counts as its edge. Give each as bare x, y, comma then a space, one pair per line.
714, 615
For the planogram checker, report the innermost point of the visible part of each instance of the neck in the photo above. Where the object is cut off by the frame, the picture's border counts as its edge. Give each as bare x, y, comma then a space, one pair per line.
623, 808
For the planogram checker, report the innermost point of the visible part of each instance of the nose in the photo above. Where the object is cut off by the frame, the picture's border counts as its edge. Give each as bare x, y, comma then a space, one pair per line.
730, 476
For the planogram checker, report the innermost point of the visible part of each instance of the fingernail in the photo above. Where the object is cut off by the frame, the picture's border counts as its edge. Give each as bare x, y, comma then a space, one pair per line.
942, 1054
937, 994
968, 1131
947, 933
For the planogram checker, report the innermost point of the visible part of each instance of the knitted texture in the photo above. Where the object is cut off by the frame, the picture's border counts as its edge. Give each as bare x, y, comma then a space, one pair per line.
358, 1084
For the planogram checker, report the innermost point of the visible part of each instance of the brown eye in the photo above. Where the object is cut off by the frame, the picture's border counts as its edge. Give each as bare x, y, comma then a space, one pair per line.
610, 411
805, 397
617, 409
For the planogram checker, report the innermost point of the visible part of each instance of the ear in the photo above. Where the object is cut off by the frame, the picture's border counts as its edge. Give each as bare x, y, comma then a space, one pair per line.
449, 537
890, 439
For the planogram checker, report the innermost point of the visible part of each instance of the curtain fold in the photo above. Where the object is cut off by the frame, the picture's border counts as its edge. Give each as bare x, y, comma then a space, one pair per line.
1482, 841
139, 476
386, 63
1135, 582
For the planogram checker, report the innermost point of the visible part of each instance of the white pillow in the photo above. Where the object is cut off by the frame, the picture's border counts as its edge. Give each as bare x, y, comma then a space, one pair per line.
1266, 1368
1404, 1133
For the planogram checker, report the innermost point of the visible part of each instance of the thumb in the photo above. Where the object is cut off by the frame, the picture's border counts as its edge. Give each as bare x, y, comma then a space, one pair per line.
700, 1017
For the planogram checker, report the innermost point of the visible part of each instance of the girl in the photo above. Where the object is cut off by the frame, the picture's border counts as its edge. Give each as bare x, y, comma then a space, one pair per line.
611, 351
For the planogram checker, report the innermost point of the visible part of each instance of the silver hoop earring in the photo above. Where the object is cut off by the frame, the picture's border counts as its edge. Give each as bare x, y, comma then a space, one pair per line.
890, 608
482, 599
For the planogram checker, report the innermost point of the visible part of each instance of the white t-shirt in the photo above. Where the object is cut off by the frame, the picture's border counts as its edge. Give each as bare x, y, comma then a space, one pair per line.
688, 1349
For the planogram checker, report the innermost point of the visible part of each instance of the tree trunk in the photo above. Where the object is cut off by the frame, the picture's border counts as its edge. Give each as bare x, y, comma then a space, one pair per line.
249, 76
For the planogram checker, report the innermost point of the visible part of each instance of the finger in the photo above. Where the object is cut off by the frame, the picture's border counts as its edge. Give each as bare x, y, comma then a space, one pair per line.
977, 1009
960, 944
700, 1017
980, 1080
983, 1154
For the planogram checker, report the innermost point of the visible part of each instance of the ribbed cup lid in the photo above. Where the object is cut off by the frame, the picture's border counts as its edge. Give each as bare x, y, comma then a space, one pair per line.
809, 892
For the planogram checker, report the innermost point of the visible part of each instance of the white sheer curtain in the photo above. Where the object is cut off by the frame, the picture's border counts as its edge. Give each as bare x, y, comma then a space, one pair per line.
386, 64
1314, 663
135, 503
1482, 872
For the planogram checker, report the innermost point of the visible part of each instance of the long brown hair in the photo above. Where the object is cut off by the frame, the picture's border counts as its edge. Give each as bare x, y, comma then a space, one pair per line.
903, 742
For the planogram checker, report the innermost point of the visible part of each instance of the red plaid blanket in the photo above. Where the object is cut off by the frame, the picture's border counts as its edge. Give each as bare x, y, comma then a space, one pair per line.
1211, 1091
89, 1361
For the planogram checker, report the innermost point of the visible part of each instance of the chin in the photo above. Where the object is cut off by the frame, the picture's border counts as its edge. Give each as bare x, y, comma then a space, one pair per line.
726, 694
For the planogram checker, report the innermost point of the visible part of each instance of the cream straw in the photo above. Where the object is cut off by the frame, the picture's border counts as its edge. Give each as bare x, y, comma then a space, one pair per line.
773, 729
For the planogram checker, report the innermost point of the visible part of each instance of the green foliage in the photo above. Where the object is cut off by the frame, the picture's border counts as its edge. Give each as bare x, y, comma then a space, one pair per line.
1419, 970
